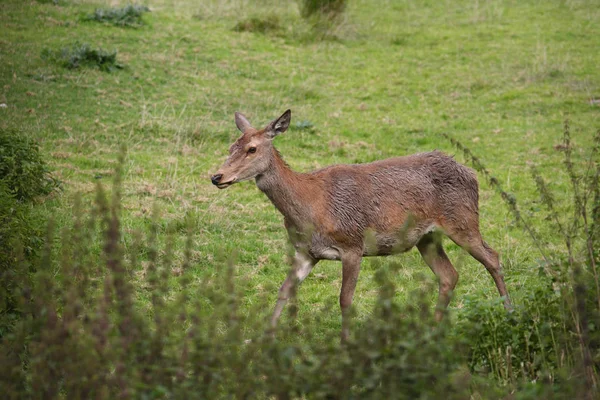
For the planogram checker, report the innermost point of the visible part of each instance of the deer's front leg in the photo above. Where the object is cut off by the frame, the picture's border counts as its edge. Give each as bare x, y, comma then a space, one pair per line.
350, 270
301, 267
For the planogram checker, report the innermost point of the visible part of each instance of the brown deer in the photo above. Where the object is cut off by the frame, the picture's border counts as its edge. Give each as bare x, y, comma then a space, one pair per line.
346, 212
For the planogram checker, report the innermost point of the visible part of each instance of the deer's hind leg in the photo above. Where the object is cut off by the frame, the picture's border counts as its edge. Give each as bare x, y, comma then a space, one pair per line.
473, 243
430, 247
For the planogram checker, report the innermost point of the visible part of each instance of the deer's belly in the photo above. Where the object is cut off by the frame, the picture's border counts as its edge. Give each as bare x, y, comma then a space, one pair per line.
385, 244
374, 243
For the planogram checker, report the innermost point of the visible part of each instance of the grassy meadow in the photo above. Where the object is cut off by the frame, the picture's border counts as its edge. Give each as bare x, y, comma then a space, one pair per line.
387, 79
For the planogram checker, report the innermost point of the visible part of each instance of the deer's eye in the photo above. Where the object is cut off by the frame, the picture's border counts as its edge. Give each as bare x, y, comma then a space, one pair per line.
252, 150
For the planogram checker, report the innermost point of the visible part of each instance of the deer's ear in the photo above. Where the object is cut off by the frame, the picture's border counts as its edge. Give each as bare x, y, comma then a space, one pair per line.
242, 122
279, 125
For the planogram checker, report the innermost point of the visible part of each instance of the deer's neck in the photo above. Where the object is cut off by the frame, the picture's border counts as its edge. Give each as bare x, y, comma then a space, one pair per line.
286, 189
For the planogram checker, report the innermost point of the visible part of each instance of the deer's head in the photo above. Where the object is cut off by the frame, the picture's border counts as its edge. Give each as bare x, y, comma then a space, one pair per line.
250, 155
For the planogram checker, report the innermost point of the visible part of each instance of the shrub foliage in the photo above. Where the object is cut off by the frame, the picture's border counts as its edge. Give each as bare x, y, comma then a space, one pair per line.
23, 172
130, 15
24, 177
83, 55
328, 8
259, 25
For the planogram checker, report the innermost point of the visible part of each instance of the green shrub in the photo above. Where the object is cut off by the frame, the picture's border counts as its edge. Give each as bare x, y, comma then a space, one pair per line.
324, 17
24, 177
259, 25
23, 172
330, 9
130, 15
520, 346
83, 55
18, 235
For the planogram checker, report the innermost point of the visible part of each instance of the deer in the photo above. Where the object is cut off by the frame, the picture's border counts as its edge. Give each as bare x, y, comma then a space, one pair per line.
346, 212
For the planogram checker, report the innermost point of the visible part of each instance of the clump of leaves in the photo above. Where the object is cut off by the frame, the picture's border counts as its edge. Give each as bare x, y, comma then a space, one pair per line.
20, 241
83, 55
259, 25
304, 125
522, 345
130, 15
23, 172
325, 17
23, 177
331, 9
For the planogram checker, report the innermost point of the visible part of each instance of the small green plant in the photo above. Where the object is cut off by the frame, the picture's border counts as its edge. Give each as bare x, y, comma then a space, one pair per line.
24, 176
130, 15
324, 18
519, 346
259, 25
304, 125
330, 9
23, 171
83, 55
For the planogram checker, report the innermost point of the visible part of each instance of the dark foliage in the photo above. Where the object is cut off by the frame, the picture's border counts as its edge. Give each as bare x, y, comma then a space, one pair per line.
24, 177
328, 8
259, 25
23, 172
83, 55
129, 16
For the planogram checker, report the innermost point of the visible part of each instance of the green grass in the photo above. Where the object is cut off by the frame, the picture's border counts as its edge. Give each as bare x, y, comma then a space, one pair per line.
499, 76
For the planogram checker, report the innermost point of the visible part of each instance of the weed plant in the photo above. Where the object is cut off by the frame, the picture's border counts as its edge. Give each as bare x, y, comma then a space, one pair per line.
83, 55
324, 16
330, 9
269, 24
24, 178
128, 16
23, 172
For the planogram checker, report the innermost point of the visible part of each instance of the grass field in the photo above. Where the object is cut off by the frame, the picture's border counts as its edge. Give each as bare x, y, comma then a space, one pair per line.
499, 76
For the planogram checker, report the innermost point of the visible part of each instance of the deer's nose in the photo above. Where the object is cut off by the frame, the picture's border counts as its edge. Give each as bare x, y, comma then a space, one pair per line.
215, 179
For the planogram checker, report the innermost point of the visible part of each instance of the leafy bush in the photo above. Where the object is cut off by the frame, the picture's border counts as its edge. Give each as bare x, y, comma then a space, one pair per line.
522, 345
24, 177
325, 18
83, 55
20, 237
130, 15
259, 25
23, 172
330, 9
